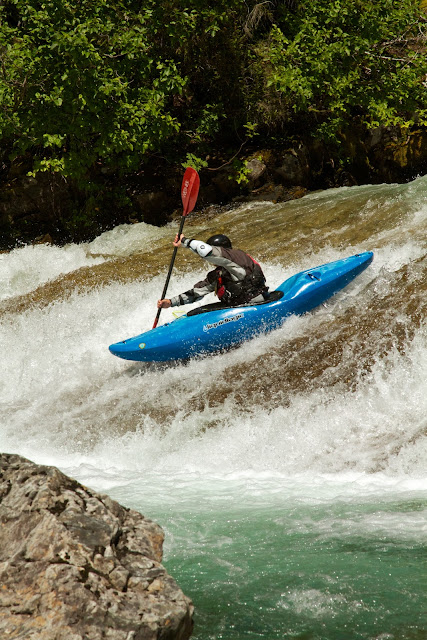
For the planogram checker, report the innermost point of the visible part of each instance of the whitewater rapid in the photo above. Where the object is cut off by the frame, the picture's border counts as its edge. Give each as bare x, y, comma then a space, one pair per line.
319, 428
65, 397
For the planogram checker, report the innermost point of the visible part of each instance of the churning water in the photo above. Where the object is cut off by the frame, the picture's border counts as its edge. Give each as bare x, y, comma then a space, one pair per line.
289, 474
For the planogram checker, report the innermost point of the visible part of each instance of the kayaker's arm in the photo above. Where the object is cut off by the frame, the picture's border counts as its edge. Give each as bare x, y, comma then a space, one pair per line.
214, 255
199, 291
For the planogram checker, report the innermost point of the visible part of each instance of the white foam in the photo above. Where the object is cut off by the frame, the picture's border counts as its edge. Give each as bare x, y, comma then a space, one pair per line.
126, 239
59, 384
59, 376
24, 269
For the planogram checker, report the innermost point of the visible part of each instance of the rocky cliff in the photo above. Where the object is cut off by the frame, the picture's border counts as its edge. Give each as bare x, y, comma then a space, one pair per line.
75, 565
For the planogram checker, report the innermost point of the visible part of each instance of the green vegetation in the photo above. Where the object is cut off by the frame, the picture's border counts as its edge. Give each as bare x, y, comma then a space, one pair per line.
334, 62
90, 85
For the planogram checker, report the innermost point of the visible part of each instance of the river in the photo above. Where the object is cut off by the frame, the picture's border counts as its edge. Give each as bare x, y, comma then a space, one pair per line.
290, 474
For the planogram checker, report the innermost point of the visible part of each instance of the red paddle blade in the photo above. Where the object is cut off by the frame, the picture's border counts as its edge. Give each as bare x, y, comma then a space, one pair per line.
189, 190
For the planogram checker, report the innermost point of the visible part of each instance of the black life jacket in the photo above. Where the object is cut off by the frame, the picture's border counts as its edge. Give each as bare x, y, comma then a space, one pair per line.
236, 293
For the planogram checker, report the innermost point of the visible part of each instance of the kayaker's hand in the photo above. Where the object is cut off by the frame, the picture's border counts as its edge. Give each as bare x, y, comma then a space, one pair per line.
178, 240
164, 304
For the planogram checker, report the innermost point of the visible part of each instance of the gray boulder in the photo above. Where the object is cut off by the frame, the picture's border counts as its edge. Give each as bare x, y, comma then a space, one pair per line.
76, 565
294, 167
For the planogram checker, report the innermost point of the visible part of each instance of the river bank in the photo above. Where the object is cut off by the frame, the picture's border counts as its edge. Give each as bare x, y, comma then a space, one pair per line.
49, 208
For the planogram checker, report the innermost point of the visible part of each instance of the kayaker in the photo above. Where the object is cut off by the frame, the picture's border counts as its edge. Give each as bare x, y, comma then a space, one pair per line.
237, 278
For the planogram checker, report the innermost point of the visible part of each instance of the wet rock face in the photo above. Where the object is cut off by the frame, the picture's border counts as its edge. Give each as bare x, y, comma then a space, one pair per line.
75, 565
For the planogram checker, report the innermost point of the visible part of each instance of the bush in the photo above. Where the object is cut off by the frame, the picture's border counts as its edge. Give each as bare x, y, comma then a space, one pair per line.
332, 62
84, 82
87, 84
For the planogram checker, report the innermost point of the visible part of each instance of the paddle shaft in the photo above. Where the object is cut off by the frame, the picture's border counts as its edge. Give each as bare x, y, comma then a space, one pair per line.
165, 288
189, 193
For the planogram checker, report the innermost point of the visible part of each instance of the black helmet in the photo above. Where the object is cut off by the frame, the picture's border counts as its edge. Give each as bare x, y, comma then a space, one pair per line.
219, 240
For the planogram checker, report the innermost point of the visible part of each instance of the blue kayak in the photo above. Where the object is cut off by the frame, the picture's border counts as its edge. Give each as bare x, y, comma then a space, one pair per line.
214, 328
